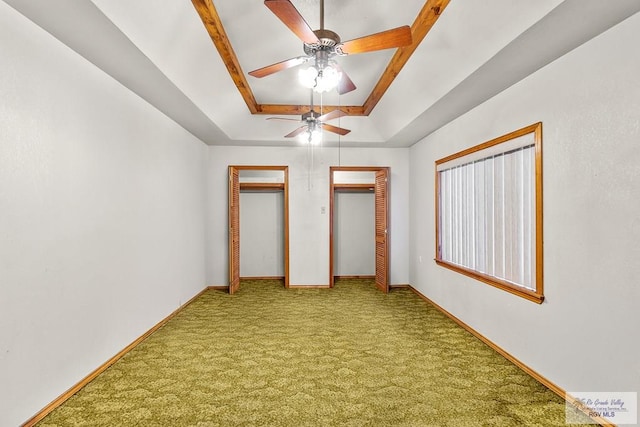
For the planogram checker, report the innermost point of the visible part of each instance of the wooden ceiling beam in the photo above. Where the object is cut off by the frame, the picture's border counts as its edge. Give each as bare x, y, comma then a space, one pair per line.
421, 26
213, 24
292, 110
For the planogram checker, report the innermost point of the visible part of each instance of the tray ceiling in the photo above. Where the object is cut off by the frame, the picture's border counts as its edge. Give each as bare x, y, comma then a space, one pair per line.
464, 52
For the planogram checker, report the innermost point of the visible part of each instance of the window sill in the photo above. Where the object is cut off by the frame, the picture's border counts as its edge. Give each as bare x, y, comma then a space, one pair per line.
530, 295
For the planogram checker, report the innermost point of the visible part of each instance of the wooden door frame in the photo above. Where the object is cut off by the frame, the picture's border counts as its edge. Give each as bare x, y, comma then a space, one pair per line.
267, 186
368, 187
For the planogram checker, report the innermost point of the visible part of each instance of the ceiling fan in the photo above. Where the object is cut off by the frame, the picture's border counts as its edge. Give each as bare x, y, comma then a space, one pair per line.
314, 123
322, 45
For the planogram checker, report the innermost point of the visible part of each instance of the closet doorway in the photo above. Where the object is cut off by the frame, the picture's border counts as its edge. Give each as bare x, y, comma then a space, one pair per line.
263, 182
362, 180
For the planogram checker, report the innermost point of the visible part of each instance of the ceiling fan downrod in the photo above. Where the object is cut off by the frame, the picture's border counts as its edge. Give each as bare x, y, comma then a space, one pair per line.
325, 46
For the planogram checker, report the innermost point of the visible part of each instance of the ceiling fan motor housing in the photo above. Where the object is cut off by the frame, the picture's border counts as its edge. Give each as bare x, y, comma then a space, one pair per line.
310, 116
324, 49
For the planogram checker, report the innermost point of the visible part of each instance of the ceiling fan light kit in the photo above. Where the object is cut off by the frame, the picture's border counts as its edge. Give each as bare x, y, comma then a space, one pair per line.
324, 75
320, 79
311, 136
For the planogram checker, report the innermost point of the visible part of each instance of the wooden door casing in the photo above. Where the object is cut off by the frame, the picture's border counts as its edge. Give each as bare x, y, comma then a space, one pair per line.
382, 238
234, 230
381, 194
235, 186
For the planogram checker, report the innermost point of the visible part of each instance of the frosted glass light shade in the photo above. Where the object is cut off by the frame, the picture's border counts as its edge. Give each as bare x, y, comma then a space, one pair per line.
320, 81
307, 77
312, 137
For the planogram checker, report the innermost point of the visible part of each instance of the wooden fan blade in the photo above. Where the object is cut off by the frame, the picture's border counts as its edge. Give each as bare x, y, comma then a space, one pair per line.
290, 16
331, 115
334, 129
283, 118
279, 66
345, 84
395, 37
296, 132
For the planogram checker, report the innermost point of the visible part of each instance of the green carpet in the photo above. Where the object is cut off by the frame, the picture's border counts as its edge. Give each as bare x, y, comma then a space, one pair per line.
348, 356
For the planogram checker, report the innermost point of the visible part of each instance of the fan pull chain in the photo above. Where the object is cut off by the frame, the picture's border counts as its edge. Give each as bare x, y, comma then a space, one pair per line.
339, 125
309, 166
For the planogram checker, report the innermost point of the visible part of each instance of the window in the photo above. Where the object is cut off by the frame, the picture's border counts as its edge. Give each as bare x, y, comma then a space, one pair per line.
489, 212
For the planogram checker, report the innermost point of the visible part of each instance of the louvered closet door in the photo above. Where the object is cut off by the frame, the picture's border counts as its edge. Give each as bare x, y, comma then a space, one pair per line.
382, 235
234, 230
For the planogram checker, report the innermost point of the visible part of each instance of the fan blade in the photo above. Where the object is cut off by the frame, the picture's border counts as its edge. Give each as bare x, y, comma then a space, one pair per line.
395, 37
345, 84
283, 118
290, 17
296, 132
331, 115
278, 66
334, 129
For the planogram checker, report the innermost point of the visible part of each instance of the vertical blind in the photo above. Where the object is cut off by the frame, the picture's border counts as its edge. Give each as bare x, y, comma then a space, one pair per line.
487, 215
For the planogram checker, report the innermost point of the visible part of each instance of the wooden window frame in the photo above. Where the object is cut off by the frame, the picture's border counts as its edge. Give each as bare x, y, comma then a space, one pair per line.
536, 295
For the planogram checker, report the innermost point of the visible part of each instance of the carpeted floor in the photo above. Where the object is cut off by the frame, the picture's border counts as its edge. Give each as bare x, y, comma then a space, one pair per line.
348, 356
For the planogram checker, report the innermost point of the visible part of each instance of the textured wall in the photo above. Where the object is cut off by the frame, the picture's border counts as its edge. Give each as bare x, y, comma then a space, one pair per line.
584, 336
101, 217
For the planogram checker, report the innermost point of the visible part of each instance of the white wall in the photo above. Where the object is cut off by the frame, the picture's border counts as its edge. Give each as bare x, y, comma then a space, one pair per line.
308, 193
584, 337
261, 233
354, 237
101, 217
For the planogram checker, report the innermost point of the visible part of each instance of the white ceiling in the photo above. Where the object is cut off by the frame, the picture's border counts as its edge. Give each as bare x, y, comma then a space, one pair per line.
162, 51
